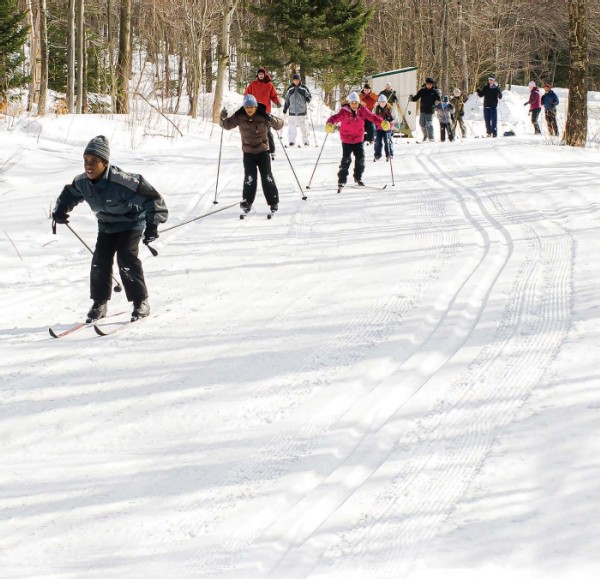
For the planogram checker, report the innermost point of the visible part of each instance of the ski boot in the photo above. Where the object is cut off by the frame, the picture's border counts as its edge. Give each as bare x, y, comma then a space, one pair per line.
97, 311
141, 309
359, 182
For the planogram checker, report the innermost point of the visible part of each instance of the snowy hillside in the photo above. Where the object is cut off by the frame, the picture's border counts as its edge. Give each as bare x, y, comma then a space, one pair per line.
396, 383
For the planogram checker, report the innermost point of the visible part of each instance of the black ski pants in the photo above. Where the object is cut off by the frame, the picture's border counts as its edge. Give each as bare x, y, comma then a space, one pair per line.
125, 244
359, 161
254, 162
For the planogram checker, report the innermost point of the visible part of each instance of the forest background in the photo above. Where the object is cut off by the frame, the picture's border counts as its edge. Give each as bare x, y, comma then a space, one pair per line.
92, 51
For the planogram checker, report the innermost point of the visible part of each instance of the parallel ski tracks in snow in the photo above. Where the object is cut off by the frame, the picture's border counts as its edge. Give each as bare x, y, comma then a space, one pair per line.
390, 472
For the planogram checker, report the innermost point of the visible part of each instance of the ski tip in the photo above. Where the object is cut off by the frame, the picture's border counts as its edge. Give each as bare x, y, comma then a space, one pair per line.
52, 333
99, 331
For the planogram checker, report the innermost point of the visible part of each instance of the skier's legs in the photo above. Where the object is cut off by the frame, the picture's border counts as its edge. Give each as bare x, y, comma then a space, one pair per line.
535, 114
359, 160
292, 123
429, 126
130, 266
345, 163
301, 120
379, 136
101, 268
266, 177
250, 174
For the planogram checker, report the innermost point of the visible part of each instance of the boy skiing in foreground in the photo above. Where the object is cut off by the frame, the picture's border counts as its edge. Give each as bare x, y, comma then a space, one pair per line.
254, 122
352, 118
125, 205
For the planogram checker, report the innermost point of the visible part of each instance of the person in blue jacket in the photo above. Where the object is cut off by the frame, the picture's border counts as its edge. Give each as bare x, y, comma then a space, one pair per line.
126, 207
550, 102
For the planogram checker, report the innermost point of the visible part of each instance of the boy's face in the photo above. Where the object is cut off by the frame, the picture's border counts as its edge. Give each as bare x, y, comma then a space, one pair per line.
93, 166
250, 111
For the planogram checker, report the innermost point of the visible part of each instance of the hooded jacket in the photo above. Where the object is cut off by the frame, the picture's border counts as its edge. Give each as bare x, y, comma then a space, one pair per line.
253, 129
263, 90
352, 123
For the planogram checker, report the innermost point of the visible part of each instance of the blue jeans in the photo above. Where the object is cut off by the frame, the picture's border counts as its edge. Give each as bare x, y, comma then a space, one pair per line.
383, 140
490, 116
426, 124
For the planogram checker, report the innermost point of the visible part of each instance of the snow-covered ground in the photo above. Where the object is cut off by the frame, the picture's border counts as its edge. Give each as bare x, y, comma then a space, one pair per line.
397, 383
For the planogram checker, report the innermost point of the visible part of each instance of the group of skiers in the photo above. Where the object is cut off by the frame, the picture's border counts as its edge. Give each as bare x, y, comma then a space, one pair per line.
127, 207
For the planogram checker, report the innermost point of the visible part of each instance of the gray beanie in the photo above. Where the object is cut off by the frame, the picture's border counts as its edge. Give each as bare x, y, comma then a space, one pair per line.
98, 146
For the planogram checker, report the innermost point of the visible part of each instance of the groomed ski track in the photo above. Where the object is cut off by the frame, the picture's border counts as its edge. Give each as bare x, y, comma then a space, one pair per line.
329, 384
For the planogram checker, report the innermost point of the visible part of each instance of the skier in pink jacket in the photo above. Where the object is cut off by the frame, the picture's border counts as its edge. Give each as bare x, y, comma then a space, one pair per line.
351, 118
535, 106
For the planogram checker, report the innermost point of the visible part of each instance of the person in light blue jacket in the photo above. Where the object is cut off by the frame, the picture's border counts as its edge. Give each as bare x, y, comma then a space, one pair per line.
126, 207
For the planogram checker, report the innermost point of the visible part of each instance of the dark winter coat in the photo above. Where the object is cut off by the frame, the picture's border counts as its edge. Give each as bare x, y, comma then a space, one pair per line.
550, 100
296, 100
121, 201
390, 95
444, 112
254, 129
428, 97
352, 123
491, 95
386, 113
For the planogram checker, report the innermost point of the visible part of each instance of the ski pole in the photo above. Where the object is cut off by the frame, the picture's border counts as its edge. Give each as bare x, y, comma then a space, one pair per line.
304, 197
390, 157
313, 128
117, 287
320, 152
197, 218
215, 202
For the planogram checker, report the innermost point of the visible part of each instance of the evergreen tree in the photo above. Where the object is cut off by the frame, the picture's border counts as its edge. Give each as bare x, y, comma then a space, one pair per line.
13, 33
316, 35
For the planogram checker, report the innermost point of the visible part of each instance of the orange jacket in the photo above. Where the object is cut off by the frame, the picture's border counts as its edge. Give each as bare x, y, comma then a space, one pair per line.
368, 100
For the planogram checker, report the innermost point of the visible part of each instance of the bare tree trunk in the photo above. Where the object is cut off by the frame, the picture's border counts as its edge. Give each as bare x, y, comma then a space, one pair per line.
43, 57
80, 53
124, 58
71, 58
111, 55
223, 57
577, 117
34, 40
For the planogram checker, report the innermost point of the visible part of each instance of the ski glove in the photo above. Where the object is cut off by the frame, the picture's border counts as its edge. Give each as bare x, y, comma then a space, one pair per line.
223, 114
60, 217
385, 125
461, 114
285, 110
150, 233
329, 128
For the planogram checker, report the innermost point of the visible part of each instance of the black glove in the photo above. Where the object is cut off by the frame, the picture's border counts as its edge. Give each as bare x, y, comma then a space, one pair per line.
461, 114
285, 109
223, 114
60, 217
526, 104
150, 233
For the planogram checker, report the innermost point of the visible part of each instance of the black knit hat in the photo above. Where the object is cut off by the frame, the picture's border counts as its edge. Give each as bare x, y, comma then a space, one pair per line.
295, 77
98, 146
429, 80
